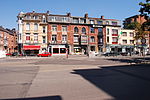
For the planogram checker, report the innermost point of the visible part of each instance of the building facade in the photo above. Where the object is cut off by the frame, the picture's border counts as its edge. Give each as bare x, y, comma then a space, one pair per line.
8, 41
140, 19
61, 34
32, 35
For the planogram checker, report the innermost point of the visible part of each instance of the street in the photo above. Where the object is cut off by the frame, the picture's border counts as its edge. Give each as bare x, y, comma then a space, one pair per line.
75, 78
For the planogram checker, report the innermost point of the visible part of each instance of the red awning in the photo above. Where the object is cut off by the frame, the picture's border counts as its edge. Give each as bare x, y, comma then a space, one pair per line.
31, 47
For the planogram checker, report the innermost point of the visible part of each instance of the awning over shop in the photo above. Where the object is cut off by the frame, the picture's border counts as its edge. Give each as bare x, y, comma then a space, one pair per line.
31, 47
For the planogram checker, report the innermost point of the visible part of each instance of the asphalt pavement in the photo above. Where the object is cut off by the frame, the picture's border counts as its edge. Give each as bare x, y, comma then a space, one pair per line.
77, 77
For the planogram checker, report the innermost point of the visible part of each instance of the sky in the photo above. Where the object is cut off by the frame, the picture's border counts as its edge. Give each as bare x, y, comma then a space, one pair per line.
110, 9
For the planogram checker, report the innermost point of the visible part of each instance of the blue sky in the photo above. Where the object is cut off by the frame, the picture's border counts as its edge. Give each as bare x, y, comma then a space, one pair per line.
110, 9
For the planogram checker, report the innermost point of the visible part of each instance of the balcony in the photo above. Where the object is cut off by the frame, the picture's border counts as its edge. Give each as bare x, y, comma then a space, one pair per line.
53, 42
114, 34
114, 42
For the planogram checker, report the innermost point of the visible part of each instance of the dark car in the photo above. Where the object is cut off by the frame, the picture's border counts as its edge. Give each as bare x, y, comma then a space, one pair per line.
16, 54
124, 53
110, 54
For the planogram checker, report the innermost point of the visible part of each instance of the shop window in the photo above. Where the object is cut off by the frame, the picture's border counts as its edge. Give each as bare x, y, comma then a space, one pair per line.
55, 50
92, 48
62, 50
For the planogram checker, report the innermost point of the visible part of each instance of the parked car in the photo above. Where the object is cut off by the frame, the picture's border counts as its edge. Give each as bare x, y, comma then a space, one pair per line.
124, 53
8, 54
110, 54
44, 54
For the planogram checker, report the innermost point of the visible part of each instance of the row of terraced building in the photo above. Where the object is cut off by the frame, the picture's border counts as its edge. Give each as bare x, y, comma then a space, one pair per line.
61, 34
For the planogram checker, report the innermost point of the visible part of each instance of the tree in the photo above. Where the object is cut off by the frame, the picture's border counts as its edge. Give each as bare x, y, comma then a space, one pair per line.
145, 9
139, 31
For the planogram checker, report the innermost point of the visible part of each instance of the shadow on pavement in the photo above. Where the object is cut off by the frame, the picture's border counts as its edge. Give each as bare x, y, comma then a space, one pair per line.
121, 82
131, 60
39, 98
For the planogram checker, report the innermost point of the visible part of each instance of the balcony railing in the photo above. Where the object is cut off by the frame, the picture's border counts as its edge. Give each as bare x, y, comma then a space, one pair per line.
114, 34
114, 42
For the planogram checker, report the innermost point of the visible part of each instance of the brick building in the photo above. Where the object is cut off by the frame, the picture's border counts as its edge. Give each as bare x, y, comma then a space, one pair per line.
8, 42
140, 19
64, 33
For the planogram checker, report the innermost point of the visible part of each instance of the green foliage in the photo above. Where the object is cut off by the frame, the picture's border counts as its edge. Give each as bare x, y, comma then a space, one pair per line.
145, 9
139, 31
131, 26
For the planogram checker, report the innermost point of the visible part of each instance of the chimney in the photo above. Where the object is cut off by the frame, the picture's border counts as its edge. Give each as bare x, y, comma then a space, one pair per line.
86, 15
102, 17
69, 14
48, 12
33, 11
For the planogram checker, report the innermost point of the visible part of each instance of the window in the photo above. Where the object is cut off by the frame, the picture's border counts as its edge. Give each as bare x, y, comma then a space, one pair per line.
92, 39
81, 20
54, 38
107, 31
114, 23
114, 39
99, 22
124, 33
107, 22
83, 30
44, 29
131, 34
64, 28
53, 19
75, 20
27, 37
92, 30
27, 26
124, 41
64, 38
44, 19
35, 17
100, 30
35, 37
62, 50
64, 19
84, 39
54, 28
76, 38
55, 50
28, 17
91, 21
114, 31
35, 26
44, 39
76, 30
107, 39
131, 41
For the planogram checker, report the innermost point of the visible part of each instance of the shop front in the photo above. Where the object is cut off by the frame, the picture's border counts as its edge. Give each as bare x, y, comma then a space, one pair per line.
31, 50
57, 50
